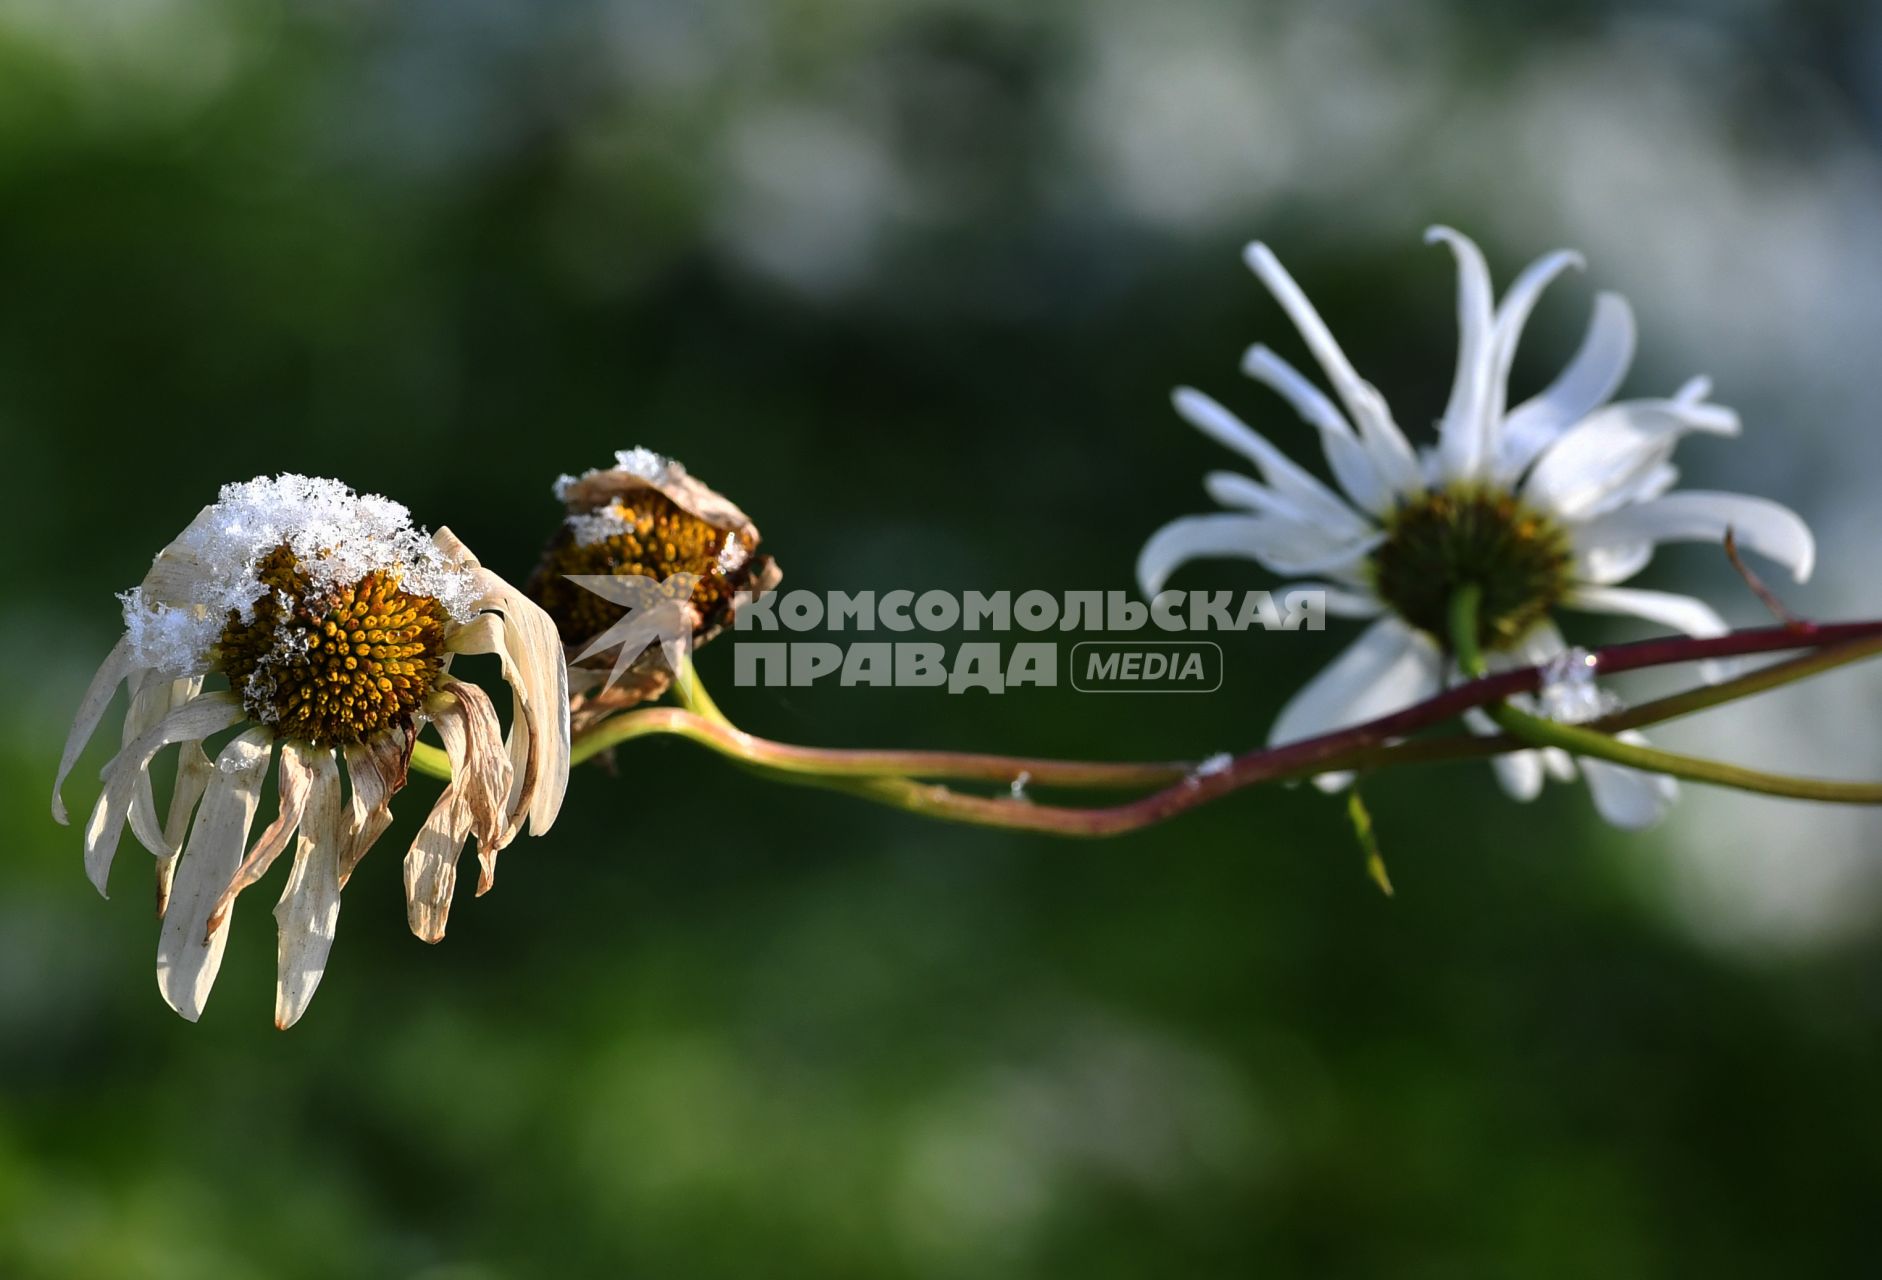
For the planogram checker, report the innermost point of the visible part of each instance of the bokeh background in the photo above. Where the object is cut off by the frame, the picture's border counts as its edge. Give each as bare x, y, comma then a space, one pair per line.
911, 281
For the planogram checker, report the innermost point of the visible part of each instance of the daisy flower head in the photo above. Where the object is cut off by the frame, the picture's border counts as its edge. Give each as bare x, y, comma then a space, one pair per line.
316, 627
689, 553
1547, 505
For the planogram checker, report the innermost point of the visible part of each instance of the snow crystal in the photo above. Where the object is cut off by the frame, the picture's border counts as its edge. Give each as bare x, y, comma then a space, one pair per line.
1569, 694
644, 463
733, 555
591, 527
337, 535
638, 461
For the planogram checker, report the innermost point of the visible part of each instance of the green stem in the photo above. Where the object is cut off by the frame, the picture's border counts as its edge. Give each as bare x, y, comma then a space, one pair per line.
1582, 741
431, 761
782, 757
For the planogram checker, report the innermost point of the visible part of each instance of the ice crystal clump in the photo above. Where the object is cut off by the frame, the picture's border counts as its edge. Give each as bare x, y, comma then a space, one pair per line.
1569, 694
638, 461
591, 527
336, 535
644, 463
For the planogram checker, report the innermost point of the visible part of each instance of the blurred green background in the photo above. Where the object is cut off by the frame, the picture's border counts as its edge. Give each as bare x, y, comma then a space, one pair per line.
910, 281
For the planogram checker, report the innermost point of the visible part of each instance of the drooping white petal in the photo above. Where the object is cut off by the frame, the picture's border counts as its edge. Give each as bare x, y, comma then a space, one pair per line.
1627, 798
91, 709
1585, 385
1311, 500
1512, 315
480, 770
153, 697
1341, 601
431, 866
1388, 668
1351, 463
376, 771
1669, 609
189, 953
206, 715
1194, 538
309, 910
1611, 450
1464, 435
1385, 444
1757, 524
1282, 546
193, 771
525, 641
302, 768
1519, 773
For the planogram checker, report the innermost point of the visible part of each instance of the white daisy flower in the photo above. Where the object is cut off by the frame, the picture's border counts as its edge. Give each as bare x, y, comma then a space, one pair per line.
333, 623
1551, 504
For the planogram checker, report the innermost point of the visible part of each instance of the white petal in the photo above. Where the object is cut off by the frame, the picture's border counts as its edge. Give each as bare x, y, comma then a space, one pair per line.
1610, 451
1341, 602
525, 642
1628, 798
193, 772
301, 769
1757, 524
1464, 436
1518, 772
1387, 669
1585, 385
209, 714
1602, 560
309, 910
1391, 453
1352, 465
189, 953
154, 696
1283, 546
91, 709
1310, 499
431, 866
1669, 609
1682, 613
1559, 764
1193, 538
480, 771
1512, 314
1232, 489
376, 771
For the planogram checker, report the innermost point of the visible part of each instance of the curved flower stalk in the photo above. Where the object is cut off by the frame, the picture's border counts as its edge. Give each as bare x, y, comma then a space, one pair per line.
648, 564
1548, 505
333, 623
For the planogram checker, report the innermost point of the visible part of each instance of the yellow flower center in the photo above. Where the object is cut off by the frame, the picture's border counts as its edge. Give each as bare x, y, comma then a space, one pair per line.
1447, 538
332, 665
646, 534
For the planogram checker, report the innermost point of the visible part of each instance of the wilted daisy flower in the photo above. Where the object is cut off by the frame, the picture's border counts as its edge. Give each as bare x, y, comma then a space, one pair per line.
689, 552
1547, 505
333, 623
